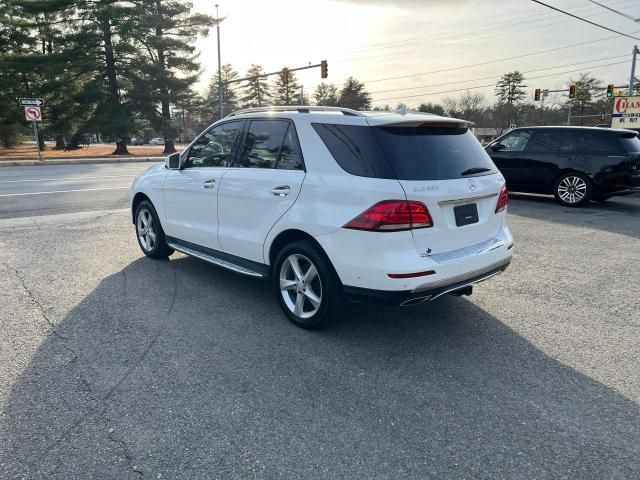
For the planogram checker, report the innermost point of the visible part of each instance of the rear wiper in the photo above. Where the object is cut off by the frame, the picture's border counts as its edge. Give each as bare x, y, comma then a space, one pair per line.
473, 170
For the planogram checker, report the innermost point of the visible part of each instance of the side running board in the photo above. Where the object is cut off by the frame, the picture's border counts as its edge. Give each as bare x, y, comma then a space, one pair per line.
216, 261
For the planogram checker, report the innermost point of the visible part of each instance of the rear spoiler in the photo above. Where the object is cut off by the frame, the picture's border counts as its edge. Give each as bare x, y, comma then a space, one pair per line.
435, 123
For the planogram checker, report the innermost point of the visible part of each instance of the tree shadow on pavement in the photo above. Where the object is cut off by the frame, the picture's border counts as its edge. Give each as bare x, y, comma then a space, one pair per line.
176, 369
618, 215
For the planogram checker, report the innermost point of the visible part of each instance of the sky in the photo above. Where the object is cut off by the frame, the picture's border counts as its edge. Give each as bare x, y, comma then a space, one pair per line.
436, 46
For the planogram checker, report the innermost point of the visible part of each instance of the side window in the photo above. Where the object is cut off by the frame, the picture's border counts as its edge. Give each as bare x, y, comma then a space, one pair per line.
215, 147
262, 144
515, 141
554, 141
355, 149
598, 142
290, 158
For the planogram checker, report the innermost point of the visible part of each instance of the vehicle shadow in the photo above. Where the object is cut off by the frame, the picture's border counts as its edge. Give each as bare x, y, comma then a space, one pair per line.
618, 214
176, 369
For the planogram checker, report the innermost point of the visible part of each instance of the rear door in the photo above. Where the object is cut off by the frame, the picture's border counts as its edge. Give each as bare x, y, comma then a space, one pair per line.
448, 170
550, 152
508, 155
261, 186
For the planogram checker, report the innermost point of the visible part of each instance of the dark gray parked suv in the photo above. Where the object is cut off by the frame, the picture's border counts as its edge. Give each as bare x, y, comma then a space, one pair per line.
576, 164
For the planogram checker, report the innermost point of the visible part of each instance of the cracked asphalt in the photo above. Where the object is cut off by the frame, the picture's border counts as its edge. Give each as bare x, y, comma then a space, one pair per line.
113, 365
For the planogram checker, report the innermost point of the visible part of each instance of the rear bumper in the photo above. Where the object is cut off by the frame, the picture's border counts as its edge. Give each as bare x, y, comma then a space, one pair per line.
424, 293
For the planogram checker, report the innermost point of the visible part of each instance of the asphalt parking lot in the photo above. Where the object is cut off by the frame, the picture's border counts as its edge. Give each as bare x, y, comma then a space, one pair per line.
116, 366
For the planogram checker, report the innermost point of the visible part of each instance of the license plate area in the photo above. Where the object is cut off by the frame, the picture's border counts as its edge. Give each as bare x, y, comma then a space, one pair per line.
466, 214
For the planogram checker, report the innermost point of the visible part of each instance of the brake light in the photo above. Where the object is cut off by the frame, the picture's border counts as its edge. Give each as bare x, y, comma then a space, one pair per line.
503, 200
392, 216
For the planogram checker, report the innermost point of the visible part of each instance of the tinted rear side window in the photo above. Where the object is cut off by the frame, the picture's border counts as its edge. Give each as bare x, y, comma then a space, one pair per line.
599, 142
355, 149
433, 153
554, 141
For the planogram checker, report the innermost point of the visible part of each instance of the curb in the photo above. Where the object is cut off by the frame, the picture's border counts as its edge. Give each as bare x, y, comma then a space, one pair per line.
74, 161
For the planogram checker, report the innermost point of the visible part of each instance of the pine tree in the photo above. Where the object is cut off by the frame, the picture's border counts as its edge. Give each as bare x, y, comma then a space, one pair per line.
286, 92
230, 99
589, 91
326, 94
256, 91
510, 92
165, 31
353, 95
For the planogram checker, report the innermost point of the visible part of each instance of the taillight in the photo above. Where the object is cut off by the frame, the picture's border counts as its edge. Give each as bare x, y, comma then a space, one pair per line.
503, 200
392, 216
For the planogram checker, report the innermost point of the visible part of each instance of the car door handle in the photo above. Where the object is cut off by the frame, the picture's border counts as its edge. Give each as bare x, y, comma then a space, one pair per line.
209, 183
282, 191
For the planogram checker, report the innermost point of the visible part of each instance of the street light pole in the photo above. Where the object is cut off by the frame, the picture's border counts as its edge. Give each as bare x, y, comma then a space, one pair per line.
220, 101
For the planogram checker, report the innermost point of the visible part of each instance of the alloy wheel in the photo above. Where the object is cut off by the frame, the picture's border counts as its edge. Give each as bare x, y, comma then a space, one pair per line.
146, 232
572, 189
300, 285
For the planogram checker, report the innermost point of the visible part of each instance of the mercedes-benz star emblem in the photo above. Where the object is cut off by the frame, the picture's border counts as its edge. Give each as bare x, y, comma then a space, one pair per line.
472, 186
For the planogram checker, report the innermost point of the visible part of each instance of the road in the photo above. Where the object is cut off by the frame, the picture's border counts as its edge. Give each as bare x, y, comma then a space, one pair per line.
51, 189
113, 365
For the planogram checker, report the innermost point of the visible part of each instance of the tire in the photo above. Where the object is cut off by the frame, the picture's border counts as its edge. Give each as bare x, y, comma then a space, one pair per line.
149, 232
322, 298
573, 189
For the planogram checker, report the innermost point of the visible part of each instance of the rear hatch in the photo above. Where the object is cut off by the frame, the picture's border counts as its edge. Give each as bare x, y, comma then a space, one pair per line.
442, 165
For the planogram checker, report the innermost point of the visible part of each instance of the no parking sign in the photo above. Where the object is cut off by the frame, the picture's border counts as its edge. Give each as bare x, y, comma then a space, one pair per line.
33, 114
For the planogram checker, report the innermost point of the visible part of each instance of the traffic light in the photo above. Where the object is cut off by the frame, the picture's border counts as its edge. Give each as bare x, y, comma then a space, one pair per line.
572, 91
285, 75
324, 70
536, 96
610, 89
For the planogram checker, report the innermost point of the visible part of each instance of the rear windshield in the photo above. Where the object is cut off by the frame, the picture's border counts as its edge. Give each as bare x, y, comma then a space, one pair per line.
433, 153
406, 153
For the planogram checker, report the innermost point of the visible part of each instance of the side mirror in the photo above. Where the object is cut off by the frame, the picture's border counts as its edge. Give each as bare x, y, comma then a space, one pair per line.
496, 147
172, 162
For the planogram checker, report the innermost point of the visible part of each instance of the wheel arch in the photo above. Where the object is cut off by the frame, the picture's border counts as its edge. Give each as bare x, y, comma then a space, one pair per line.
288, 236
138, 198
567, 170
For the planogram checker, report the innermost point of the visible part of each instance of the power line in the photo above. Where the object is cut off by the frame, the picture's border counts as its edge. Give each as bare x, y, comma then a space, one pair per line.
491, 30
585, 20
616, 11
489, 62
493, 84
493, 76
513, 21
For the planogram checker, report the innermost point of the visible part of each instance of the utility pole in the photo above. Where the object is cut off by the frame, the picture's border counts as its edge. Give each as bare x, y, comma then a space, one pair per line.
636, 51
220, 100
301, 95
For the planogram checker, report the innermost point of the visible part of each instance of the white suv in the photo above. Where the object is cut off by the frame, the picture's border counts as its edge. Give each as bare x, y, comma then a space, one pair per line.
332, 205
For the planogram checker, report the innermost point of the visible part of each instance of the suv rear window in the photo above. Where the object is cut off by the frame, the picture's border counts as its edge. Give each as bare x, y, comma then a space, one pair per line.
355, 149
406, 153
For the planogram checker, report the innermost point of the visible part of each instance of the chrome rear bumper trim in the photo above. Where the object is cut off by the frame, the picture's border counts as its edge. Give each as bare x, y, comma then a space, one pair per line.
467, 252
461, 278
